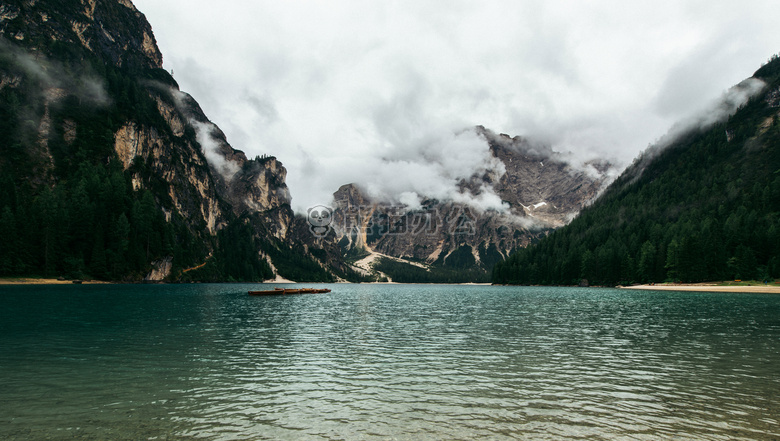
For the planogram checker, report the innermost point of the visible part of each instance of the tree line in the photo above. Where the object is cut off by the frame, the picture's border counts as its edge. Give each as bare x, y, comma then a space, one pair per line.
67, 206
706, 208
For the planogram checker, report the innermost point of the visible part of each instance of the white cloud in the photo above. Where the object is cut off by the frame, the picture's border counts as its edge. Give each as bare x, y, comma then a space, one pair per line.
211, 149
88, 87
379, 92
714, 112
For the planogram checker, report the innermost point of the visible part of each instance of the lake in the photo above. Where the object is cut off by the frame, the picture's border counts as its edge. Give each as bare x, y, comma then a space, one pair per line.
386, 362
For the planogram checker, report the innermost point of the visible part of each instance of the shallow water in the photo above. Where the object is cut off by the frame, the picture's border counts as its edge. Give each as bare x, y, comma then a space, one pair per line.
386, 362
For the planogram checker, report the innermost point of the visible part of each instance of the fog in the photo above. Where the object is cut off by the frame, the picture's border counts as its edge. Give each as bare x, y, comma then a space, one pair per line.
384, 94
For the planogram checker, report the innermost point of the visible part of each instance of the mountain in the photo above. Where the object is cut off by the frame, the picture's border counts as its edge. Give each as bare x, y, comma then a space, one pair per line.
108, 170
447, 241
702, 205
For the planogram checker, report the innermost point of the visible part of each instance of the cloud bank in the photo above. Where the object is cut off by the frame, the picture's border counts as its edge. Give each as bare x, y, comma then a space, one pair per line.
211, 148
714, 112
53, 76
379, 93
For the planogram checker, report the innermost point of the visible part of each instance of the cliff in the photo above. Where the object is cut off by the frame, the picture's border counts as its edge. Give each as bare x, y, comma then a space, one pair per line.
87, 110
108, 170
541, 189
113, 32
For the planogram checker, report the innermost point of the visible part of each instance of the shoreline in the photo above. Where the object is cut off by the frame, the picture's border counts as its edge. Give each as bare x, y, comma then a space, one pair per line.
279, 281
44, 281
709, 287
772, 288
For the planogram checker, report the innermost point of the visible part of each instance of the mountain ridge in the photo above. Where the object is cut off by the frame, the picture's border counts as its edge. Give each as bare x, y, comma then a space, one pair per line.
109, 170
124, 173
703, 207
540, 189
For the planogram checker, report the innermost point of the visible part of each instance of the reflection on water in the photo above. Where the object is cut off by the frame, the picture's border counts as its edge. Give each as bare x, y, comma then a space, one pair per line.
387, 362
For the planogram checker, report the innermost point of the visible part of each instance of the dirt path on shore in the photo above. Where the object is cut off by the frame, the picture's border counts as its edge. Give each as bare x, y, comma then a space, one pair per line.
38, 281
769, 288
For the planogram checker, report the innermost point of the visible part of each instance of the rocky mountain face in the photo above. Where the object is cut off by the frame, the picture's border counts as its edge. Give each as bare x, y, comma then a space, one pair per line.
82, 85
541, 189
109, 170
114, 32
544, 185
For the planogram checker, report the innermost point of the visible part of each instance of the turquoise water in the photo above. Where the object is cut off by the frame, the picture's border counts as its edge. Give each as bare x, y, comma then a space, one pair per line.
386, 362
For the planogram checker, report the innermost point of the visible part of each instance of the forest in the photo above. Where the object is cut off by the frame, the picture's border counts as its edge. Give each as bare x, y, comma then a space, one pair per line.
706, 208
70, 210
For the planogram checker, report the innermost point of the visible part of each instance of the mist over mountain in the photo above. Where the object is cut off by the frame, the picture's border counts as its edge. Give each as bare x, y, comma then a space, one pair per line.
702, 205
128, 179
525, 190
109, 171
358, 92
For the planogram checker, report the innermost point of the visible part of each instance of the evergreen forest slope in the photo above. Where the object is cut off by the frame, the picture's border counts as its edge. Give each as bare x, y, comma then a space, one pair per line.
109, 171
704, 207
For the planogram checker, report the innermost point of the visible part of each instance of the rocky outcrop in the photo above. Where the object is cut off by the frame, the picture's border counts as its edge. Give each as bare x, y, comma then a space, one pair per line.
353, 218
208, 179
71, 61
89, 88
249, 186
542, 190
114, 31
427, 234
542, 184
158, 160
259, 187
161, 269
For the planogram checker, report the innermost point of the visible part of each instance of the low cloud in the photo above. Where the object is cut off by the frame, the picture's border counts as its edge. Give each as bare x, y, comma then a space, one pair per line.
428, 166
208, 135
716, 112
211, 148
379, 93
51, 75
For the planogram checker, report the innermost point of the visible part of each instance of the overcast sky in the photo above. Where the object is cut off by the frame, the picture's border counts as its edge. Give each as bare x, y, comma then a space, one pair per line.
379, 92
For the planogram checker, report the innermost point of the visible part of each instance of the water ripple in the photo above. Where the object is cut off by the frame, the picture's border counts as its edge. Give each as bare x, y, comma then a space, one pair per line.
388, 362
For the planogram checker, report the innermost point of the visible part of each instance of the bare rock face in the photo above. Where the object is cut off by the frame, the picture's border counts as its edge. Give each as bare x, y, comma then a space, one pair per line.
353, 217
102, 54
543, 184
161, 269
162, 161
259, 187
432, 233
248, 186
541, 189
115, 31
427, 234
